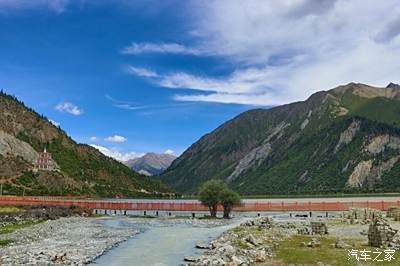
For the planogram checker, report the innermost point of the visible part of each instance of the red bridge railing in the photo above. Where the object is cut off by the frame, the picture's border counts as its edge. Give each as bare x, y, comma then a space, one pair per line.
182, 205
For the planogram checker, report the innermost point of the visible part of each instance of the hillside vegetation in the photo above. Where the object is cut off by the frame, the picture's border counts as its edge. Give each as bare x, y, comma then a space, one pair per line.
83, 169
343, 140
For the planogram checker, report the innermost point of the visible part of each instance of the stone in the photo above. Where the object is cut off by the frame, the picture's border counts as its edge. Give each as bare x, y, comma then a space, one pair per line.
191, 259
261, 256
237, 260
252, 240
227, 250
342, 245
202, 245
314, 243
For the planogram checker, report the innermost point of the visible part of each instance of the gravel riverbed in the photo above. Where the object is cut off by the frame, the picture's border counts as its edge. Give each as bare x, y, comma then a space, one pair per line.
68, 241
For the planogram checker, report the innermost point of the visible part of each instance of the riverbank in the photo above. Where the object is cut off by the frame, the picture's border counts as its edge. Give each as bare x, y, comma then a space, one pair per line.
82, 240
68, 241
321, 241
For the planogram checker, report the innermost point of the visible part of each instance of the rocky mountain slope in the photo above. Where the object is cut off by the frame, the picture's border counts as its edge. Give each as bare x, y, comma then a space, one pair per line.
344, 139
84, 170
151, 163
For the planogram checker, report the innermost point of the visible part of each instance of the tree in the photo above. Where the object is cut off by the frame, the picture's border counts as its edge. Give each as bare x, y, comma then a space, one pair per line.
229, 199
209, 195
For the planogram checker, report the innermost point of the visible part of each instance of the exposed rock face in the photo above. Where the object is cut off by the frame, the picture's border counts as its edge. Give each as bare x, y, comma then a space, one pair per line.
380, 143
151, 163
367, 174
360, 174
347, 136
379, 169
258, 154
11, 146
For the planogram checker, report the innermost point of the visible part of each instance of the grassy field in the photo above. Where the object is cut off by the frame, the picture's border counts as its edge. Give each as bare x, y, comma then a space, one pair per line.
12, 227
290, 251
9, 209
5, 242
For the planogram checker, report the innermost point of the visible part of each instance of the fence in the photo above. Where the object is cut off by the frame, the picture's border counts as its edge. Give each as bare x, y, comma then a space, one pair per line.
182, 205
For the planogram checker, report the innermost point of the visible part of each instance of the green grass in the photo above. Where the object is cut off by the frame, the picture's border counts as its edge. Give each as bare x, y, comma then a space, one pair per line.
5, 242
10, 209
290, 252
12, 227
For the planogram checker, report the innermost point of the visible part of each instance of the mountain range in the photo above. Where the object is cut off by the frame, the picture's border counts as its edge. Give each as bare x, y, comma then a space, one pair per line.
151, 163
344, 139
82, 169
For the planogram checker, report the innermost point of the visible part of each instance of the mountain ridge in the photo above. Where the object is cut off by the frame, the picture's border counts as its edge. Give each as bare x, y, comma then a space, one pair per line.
274, 150
151, 163
83, 169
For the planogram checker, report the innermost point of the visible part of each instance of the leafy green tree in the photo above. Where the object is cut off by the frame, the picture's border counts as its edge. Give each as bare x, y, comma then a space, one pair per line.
229, 199
209, 195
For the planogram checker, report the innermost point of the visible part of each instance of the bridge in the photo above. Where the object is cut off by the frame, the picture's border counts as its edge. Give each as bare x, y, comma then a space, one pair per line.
248, 205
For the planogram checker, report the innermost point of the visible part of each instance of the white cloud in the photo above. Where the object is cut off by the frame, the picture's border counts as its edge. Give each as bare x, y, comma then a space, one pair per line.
171, 152
164, 48
54, 123
69, 108
94, 138
116, 138
282, 51
123, 157
142, 72
57, 6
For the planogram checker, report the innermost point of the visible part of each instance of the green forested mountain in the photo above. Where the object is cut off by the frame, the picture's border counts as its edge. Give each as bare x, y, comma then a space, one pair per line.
344, 139
83, 169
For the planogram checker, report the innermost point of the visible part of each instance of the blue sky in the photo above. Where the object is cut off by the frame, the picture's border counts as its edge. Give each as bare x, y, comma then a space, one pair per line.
138, 76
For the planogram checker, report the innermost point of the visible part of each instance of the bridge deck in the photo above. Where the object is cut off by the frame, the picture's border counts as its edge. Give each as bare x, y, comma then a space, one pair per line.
340, 204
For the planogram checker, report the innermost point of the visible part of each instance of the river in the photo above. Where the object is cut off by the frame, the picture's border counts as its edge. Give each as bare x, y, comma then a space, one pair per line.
161, 242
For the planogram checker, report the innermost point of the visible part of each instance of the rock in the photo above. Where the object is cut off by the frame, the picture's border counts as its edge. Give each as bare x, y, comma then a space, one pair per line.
237, 260
347, 136
251, 239
261, 256
341, 244
10, 145
314, 243
201, 245
227, 250
191, 259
